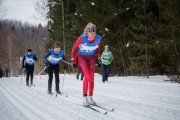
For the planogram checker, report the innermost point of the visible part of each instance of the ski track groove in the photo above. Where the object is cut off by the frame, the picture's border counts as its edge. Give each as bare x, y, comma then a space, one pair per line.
25, 108
33, 89
155, 106
61, 98
130, 101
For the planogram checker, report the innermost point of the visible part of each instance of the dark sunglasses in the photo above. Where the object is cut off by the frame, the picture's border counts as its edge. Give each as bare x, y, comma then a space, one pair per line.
91, 29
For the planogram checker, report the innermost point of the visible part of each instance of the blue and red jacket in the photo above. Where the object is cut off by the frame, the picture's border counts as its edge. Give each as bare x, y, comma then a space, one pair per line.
86, 47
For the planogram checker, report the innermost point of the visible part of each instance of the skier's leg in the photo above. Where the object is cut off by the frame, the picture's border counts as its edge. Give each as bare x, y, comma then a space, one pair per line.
82, 75
27, 76
106, 72
84, 67
50, 73
31, 73
78, 72
56, 72
91, 82
108, 69
91, 71
103, 72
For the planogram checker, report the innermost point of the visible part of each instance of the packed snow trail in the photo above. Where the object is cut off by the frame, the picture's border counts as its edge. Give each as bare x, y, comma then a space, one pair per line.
133, 98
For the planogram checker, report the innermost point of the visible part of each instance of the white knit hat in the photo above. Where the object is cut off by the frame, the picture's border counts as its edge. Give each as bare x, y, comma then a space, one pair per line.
106, 46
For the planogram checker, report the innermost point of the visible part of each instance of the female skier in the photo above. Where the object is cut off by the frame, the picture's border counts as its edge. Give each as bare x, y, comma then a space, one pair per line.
88, 44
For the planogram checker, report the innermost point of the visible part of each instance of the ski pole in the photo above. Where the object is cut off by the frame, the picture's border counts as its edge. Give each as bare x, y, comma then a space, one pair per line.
21, 78
66, 62
21, 75
43, 69
63, 79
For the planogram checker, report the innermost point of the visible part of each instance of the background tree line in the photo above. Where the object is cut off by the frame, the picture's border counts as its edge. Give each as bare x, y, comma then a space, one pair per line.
15, 39
143, 35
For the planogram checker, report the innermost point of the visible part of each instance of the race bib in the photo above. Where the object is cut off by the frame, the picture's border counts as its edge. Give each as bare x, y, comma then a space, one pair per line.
54, 60
87, 49
29, 60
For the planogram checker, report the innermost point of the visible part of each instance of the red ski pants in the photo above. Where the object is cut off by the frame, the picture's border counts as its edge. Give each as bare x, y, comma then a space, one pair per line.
87, 64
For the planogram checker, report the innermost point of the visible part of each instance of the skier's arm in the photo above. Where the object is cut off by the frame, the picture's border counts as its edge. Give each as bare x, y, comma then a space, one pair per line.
99, 51
23, 62
102, 56
64, 59
75, 46
35, 58
111, 57
45, 58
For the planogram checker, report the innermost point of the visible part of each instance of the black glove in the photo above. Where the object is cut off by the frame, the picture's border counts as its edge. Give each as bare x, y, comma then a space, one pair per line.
99, 62
73, 65
65, 67
48, 64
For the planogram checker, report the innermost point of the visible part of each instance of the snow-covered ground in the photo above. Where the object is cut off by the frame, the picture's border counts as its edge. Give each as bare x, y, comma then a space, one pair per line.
133, 98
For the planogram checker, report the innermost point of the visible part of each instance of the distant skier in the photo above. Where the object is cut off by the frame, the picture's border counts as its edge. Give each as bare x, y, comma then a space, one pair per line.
7, 72
106, 59
1, 72
88, 44
52, 60
28, 65
79, 70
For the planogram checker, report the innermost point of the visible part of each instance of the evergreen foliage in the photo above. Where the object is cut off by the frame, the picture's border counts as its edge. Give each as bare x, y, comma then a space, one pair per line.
143, 35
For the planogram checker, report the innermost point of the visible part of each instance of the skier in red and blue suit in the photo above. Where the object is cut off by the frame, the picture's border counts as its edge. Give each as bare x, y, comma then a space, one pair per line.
88, 45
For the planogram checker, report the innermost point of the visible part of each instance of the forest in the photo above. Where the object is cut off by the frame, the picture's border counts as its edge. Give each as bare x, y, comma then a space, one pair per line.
15, 39
143, 35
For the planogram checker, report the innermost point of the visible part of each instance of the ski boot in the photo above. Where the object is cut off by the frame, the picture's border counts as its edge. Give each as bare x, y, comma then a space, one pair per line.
31, 82
91, 101
58, 92
85, 101
82, 77
49, 92
27, 83
77, 76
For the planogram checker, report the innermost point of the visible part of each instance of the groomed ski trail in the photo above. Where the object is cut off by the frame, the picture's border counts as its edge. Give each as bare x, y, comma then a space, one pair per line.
133, 98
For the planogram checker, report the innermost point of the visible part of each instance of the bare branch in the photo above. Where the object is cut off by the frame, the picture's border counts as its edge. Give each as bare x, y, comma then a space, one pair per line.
41, 9
2, 10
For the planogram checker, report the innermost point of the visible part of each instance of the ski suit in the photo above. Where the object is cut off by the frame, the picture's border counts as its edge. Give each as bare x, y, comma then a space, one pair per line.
106, 59
52, 60
87, 50
28, 63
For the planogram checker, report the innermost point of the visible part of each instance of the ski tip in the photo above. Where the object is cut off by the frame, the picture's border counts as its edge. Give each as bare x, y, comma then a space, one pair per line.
105, 112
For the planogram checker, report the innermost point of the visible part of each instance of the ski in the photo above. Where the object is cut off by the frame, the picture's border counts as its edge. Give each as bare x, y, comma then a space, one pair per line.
31, 85
94, 109
111, 110
64, 95
55, 95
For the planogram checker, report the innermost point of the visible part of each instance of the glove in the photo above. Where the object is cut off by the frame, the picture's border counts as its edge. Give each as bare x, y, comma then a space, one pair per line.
24, 69
48, 64
73, 65
65, 67
99, 62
